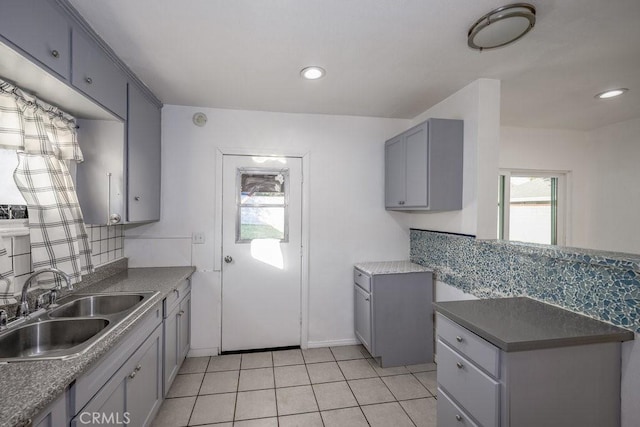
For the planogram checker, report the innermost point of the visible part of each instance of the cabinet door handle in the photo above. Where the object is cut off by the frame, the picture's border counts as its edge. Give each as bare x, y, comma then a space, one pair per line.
401, 202
181, 312
458, 417
177, 293
55, 54
459, 365
459, 338
366, 298
89, 80
136, 198
135, 372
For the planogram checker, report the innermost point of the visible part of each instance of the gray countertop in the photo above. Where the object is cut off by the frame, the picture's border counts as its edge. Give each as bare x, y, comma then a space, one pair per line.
518, 324
28, 387
389, 267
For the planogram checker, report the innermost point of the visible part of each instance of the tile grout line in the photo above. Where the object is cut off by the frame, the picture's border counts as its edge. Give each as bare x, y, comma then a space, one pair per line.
313, 389
198, 395
359, 406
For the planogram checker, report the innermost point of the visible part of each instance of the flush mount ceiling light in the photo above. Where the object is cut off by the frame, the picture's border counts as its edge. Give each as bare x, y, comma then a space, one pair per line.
502, 26
611, 93
312, 73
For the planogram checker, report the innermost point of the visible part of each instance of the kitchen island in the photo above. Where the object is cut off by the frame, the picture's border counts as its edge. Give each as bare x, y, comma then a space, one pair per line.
520, 362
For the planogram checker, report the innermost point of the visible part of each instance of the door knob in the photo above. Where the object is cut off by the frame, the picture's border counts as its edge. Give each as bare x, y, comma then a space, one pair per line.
228, 259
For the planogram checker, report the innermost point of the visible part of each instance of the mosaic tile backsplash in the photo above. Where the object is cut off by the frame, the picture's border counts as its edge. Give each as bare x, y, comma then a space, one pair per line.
601, 285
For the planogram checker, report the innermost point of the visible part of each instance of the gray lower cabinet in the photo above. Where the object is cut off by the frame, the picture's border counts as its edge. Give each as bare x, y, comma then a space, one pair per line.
482, 385
392, 315
177, 326
54, 415
125, 387
423, 167
95, 74
46, 38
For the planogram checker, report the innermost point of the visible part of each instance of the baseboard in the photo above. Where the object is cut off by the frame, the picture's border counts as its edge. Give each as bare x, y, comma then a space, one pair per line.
332, 343
201, 352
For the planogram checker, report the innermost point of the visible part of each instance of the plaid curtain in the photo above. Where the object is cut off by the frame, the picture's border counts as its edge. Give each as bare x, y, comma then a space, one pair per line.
6, 277
56, 226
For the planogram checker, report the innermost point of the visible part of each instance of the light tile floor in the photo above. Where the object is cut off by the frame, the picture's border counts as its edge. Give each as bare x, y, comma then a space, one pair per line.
331, 387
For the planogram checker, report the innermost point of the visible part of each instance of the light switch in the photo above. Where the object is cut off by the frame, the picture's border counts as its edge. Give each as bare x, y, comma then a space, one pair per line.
197, 238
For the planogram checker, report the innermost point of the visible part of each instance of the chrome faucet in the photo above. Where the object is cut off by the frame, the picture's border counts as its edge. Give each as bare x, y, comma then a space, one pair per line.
23, 308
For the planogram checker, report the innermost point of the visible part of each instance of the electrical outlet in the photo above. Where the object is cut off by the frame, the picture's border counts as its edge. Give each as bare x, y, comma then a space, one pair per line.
197, 238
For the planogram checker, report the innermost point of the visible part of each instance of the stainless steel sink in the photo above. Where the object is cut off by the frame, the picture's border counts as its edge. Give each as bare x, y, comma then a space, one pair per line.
96, 305
49, 337
71, 328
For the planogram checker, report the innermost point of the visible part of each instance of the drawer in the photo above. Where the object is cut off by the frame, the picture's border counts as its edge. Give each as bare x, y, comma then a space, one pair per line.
478, 393
450, 414
173, 298
362, 279
481, 352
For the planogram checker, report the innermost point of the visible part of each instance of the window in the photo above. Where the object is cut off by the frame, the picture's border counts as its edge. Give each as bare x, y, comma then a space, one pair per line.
262, 205
12, 204
531, 207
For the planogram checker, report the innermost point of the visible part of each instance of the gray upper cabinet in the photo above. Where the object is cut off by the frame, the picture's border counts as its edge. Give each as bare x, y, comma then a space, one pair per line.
423, 167
95, 74
47, 36
143, 162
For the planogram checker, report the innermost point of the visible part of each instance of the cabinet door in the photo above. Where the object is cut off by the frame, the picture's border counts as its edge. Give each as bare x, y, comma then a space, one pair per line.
39, 29
417, 146
95, 74
109, 405
144, 383
185, 327
363, 317
143, 162
394, 167
102, 143
55, 414
171, 356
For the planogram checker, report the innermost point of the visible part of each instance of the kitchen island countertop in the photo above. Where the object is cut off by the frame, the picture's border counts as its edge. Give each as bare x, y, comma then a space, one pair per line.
521, 323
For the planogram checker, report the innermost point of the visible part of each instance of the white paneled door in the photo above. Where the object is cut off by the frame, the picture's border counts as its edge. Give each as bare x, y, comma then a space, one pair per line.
261, 247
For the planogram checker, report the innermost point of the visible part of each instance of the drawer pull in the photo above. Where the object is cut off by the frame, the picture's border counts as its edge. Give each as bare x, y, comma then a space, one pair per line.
89, 80
459, 338
181, 313
359, 274
55, 53
459, 365
458, 417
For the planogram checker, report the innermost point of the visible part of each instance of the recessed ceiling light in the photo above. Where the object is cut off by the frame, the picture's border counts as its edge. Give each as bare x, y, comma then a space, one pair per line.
312, 73
611, 93
501, 26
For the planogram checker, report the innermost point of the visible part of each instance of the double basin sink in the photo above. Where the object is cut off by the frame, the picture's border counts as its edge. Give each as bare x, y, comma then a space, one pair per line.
69, 329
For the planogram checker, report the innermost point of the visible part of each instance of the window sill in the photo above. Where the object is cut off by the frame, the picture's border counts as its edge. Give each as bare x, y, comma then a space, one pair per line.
14, 227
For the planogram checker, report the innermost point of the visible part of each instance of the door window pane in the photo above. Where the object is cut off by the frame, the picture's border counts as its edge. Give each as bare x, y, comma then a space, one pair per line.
262, 205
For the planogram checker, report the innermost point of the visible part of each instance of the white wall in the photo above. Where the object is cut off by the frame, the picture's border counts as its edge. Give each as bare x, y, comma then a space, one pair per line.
559, 151
604, 197
348, 222
478, 104
614, 207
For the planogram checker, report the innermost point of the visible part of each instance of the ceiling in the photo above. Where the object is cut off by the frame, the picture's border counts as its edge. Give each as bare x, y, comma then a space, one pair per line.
384, 58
